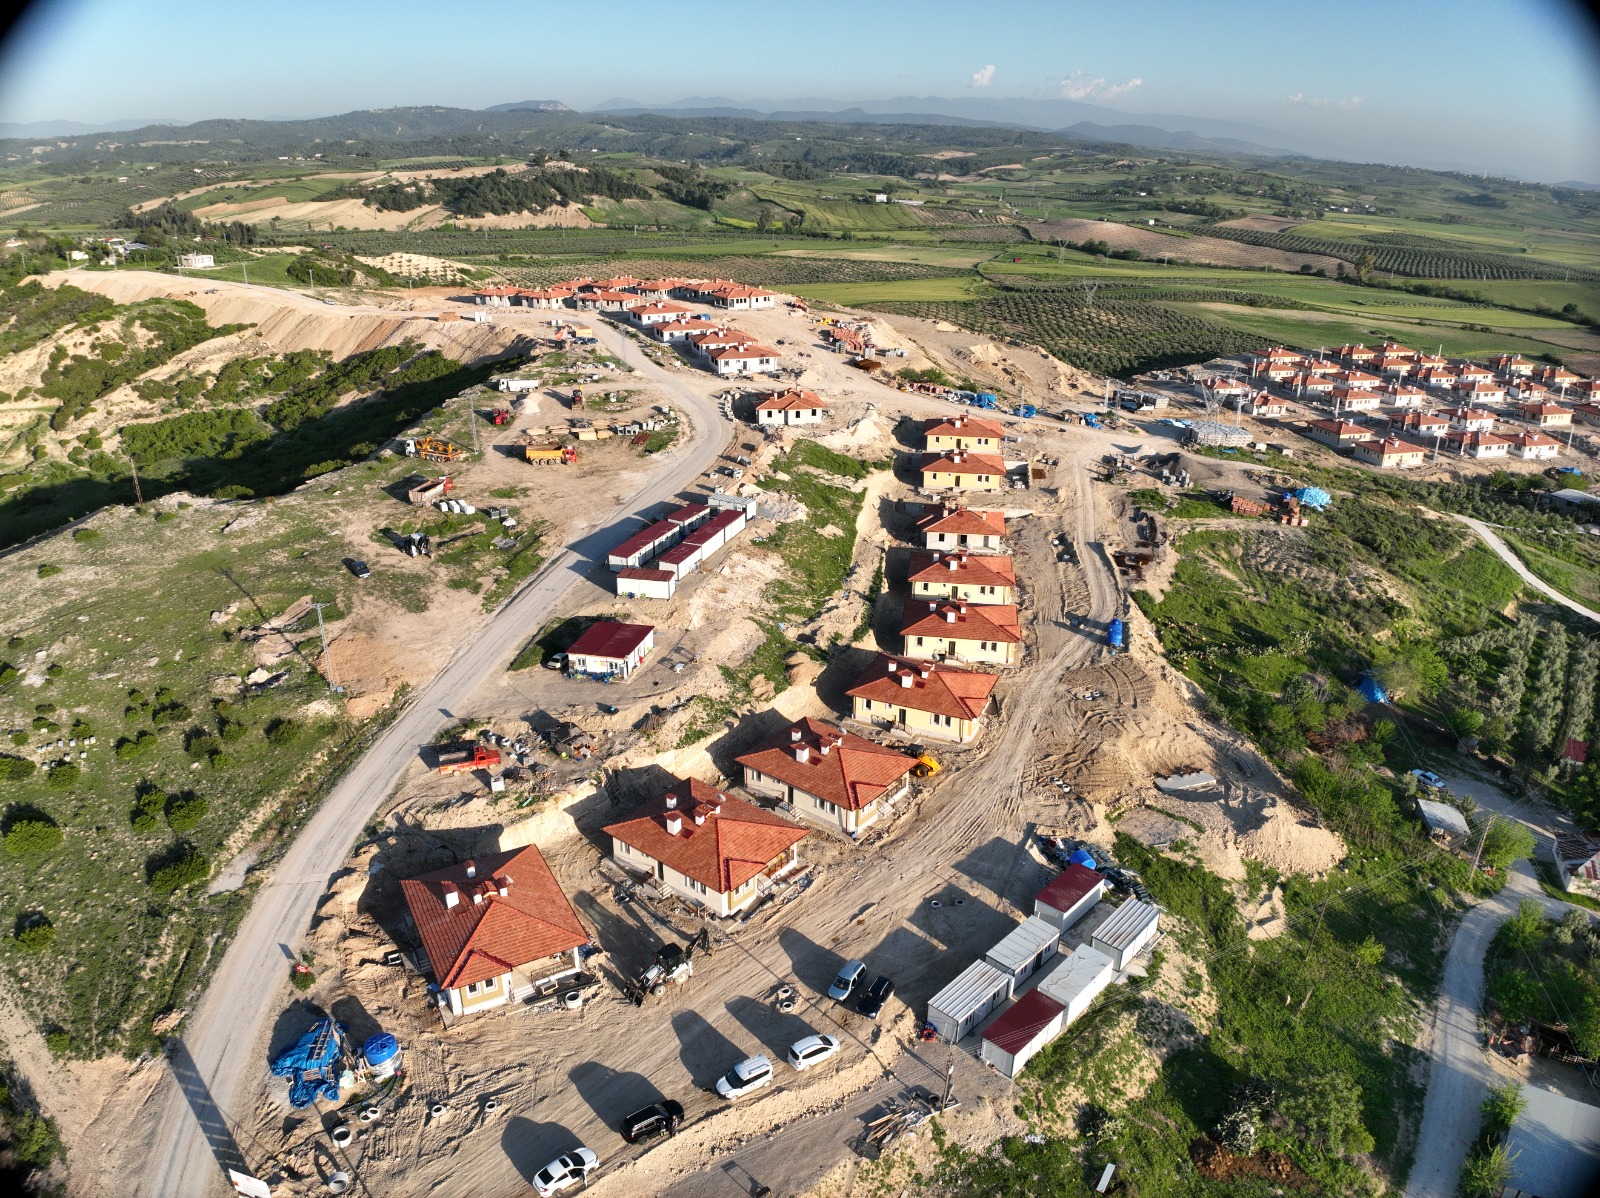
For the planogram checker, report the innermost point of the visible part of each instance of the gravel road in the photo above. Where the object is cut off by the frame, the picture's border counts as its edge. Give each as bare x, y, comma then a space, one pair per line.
1503, 551
220, 1056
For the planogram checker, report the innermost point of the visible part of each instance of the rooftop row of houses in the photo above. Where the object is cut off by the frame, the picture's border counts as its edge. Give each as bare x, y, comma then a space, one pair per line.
1393, 451
624, 292
963, 453
1354, 365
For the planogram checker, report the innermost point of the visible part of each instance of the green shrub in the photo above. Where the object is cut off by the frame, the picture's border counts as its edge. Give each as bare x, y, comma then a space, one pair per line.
185, 811
282, 732
231, 730
181, 865
15, 769
138, 746
82, 728
64, 776
54, 670
86, 535
48, 571
146, 814
8, 673
201, 744
220, 760
32, 835
302, 979
59, 1043
34, 933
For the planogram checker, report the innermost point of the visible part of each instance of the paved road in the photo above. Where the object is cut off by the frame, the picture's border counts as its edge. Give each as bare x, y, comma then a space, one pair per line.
1503, 551
219, 1059
1459, 1073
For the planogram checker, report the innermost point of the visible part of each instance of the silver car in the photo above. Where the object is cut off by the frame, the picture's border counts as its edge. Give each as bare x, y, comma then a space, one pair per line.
846, 981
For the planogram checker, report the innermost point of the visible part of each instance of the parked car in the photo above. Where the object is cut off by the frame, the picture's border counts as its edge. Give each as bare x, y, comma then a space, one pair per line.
747, 1076
358, 568
567, 1170
873, 999
1427, 777
847, 979
659, 1118
556, 661
813, 1050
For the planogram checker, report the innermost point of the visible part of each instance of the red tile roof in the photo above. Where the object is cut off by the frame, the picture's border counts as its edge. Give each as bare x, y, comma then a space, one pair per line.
1022, 1023
1339, 428
474, 941
611, 639
961, 461
968, 521
969, 569
1533, 440
964, 426
939, 689
971, 621
742, 353
1069, 887
1476, 440
737, 841
1536, 408
790, 401
844, 769
645, 574
1387, 447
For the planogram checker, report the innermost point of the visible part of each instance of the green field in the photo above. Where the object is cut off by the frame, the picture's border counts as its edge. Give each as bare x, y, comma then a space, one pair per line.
839, 214
293, 190
855, 295
267, 270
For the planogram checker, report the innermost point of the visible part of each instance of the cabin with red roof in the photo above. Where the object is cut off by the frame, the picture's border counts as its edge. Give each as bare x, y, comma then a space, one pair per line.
790, 407
495, 929
937, 630
963, 432
710, 848
962, 528
922, 698
829, 776
962, 470
975, 577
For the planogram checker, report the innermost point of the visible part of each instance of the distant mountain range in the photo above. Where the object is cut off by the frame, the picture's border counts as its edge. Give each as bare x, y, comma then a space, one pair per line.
73, 128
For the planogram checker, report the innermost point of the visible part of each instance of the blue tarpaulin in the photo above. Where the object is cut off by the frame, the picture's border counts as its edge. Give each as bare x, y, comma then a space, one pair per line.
1371, 690
312, 1064
1312, 497
1079, 857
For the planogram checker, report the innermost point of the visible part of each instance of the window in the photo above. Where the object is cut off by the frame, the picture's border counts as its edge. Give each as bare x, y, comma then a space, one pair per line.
824, 805
942, 721
474, 989
697, 887
919, 642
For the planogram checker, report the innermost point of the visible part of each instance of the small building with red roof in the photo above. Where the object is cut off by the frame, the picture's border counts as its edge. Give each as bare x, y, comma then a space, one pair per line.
1477, 445
495, 928
788, 407
1390, 453
922, 698
1545, 415
963, 432
747, 359
648, 314
611, 649
962, 470
708, 847
962, 528
1070, 895
950, 630
1534, 447
1337, 433
827, 775
975, 577
1021, 1031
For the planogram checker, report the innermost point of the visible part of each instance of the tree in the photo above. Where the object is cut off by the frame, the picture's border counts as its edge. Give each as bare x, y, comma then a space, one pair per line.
1327, 1108
185, 811
1507, 841
34, 932
183, 865
32, 836
1486, 1174
1463, 721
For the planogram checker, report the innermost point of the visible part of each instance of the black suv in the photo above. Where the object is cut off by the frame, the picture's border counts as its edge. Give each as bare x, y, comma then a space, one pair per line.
875, 996
656, 1119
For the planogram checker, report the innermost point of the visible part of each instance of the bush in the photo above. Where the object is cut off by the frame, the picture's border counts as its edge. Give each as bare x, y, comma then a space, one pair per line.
32, 835
302, 979
48, 571
146, 814
86, 535
201, 744
59, 1043
231, 730
64, 776
15, 769
138, 746
282, 732
180, 866
185, 811
34, 933
8, 673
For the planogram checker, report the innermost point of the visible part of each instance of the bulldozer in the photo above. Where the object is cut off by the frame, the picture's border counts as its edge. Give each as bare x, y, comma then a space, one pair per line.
673, 966
927, 766
432, 449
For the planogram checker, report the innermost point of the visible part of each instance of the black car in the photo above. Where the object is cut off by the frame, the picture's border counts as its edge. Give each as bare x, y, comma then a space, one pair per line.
656, 1119
875, 995
358, 568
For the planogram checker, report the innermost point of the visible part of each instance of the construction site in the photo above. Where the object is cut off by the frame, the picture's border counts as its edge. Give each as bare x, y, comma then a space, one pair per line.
660, 997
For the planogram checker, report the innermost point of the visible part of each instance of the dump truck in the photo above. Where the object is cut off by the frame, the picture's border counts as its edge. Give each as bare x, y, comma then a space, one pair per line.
430, 489
432, 449
551, 455
454, 759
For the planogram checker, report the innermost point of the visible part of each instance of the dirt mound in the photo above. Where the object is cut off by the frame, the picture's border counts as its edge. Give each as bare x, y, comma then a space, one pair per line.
1203, 251
1216, 1163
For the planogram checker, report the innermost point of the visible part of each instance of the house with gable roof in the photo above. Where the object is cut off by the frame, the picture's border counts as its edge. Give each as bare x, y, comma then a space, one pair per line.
923, 698
829, 776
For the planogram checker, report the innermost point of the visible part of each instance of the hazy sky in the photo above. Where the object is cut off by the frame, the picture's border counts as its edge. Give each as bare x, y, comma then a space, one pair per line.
1496, 84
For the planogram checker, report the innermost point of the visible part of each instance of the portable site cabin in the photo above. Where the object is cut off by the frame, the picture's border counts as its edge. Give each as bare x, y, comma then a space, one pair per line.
641, 582
1076, 981
1030, 1023
967, 1001
1028, 945
642, 546
1129, 929
611, 649
681, 560
688, 517
717, 531
1070, 896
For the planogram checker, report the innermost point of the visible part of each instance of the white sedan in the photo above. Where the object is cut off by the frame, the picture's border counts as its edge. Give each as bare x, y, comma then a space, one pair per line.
566, 1171
811, 1051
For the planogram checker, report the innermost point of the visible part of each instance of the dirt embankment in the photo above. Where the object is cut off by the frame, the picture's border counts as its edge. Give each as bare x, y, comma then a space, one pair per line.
1202, 251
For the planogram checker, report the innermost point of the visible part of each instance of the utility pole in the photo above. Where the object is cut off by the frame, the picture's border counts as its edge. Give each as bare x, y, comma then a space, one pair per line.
1482, 840
246, 267
327, 654
138, 498
472, 422
949, 1079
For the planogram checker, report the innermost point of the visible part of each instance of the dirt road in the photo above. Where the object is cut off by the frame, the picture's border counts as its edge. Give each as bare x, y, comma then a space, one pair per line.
1458, 1071
1503, 552
219, 1059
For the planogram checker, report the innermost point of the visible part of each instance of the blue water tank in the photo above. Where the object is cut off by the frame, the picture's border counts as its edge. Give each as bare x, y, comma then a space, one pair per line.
1079, 857
380, 1048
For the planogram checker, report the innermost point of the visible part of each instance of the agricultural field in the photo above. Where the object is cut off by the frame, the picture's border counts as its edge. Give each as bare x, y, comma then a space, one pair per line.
293, 190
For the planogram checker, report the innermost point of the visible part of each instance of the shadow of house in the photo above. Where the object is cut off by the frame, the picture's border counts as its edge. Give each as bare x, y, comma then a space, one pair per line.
612, 1095
810, 964
1004, 866
745, 735
349, 1011
846, 664
705, 1052
773, 1028
530, 1146
405, 852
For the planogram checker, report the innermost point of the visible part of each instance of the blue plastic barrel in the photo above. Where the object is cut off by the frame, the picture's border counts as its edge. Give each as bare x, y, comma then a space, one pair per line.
380, 1049
1079, 857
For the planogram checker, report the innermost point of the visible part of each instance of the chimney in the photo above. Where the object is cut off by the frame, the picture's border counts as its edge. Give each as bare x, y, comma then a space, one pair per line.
674, 824
795, 734
949, 615
477, 898
952, 563
962, 608
802, 753
504, 885
894, 667
826, 746
672, 801
699, 816
452, 896
937, 556
472, 868
906, 680
926, 671
932, 606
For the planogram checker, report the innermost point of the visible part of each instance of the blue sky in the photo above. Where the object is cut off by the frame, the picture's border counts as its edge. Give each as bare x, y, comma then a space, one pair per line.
1492, 84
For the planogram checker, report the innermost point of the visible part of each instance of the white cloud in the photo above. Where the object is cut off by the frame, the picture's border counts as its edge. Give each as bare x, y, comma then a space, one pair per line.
1080, 85
983, 77
1344, 105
